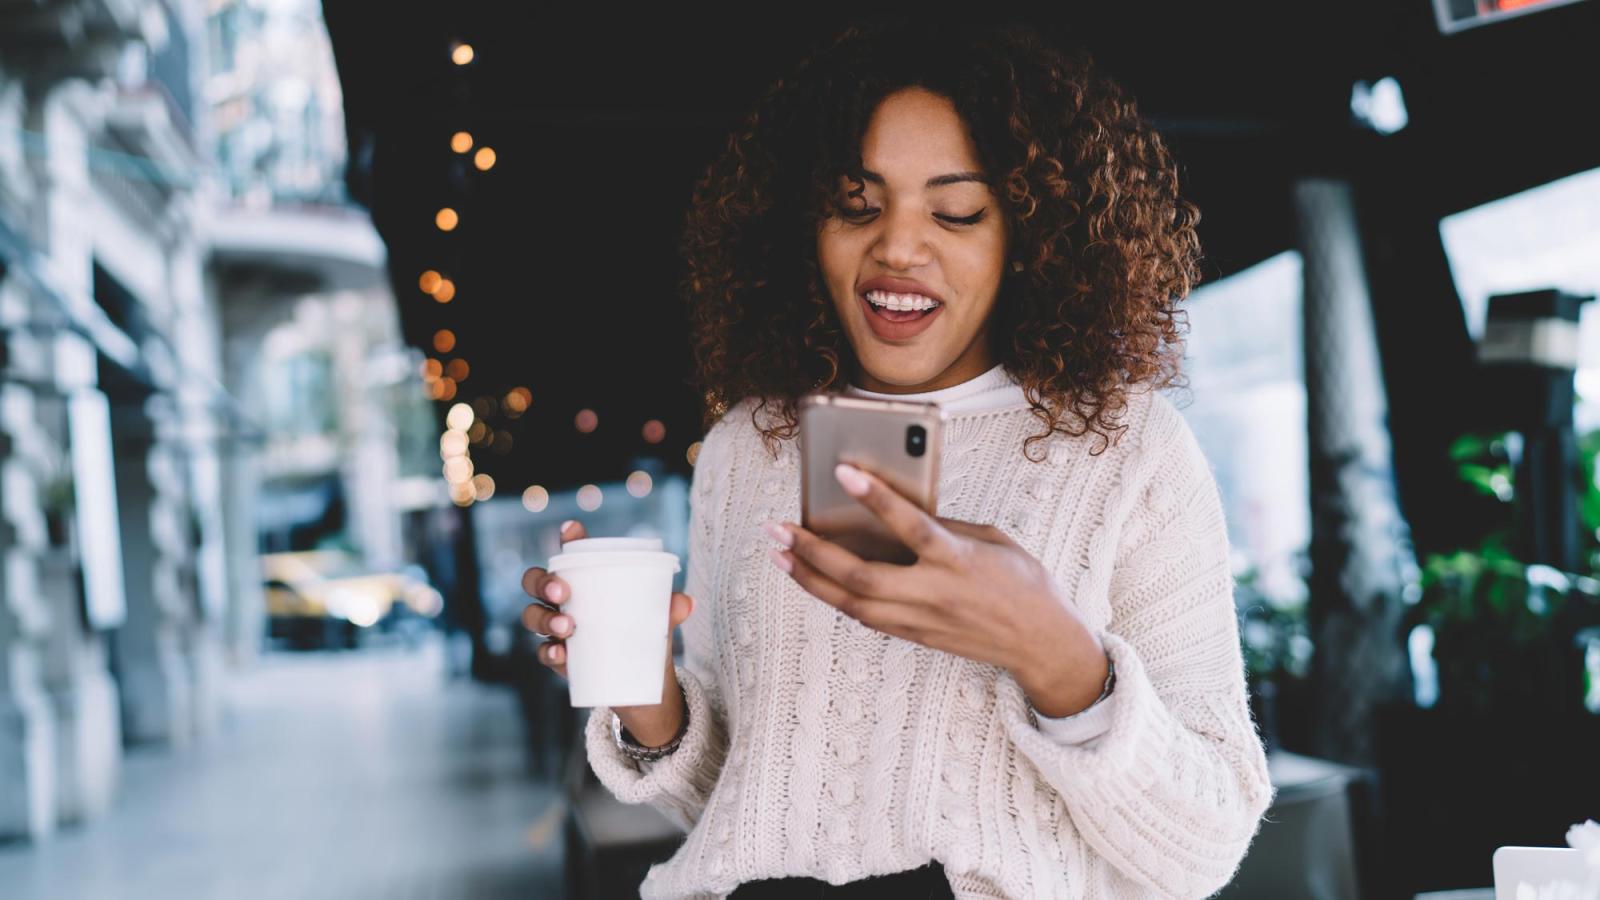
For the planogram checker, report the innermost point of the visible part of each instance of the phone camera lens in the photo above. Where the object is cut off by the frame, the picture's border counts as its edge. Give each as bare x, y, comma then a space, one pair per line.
916, 440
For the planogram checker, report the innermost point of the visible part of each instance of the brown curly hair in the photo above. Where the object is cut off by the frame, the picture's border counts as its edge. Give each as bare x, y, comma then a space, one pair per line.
1089, 191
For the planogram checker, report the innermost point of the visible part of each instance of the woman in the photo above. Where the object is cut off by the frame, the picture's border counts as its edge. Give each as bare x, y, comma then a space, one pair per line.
1050, 702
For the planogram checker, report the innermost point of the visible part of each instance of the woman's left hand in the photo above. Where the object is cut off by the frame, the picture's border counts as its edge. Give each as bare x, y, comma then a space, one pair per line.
972, 591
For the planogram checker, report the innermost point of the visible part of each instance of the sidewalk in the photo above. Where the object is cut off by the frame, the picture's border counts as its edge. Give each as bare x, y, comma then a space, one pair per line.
351, 776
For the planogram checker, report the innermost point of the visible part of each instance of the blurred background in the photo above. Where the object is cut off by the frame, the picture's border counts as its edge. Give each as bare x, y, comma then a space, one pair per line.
316, 320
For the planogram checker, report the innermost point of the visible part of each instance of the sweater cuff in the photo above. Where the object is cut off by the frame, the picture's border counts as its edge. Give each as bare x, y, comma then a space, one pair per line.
1124, 759
678, 783
1080, 728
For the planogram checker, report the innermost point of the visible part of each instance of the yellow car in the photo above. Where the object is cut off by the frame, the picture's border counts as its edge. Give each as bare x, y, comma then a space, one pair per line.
327, 596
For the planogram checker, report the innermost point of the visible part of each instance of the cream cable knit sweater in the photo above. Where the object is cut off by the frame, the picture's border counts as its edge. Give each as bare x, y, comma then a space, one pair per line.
819, 747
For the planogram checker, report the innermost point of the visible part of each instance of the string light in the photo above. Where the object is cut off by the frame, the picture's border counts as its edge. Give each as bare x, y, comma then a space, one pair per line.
462, 494
452, 443
447, 388
457, 469
639, 484
461, 142
654, 431
429, 282
483, 486
462, 54
484, 159
446, 219
445, 292
693, 452
459, 417
586, 421
589, 498
458, 369
444, 340
535, 499
431, 370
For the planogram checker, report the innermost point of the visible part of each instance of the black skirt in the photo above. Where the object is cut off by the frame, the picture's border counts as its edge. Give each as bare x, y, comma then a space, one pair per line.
927, 882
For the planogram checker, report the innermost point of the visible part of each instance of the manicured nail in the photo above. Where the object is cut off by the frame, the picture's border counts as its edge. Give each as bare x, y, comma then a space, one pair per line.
851, 479
780, 561
556, 591
561, 624
779, 533
568, 524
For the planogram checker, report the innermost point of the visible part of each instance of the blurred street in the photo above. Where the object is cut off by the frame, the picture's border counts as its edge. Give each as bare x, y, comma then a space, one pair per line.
334, 775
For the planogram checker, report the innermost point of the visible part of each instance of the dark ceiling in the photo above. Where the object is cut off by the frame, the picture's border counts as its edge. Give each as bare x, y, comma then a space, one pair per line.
565, 256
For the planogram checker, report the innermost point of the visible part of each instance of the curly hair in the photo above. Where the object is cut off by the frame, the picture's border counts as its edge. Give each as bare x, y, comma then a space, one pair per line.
1088, 189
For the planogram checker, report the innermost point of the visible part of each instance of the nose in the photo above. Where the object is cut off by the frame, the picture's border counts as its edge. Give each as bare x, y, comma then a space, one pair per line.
902, 242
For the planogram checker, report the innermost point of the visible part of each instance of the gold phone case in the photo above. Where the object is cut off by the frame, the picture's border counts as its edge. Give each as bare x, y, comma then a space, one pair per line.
870, 434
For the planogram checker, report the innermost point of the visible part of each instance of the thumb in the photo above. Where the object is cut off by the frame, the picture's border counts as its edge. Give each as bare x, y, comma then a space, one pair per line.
682, 607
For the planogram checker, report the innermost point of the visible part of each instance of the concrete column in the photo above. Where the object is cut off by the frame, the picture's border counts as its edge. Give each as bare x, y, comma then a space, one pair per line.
27, 724
151, 663
1360, 544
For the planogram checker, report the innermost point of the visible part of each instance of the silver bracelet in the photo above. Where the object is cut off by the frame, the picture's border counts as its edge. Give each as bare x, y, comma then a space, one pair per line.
634, 750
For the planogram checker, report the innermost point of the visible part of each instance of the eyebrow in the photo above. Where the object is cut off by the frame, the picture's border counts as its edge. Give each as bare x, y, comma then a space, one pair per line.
936, 181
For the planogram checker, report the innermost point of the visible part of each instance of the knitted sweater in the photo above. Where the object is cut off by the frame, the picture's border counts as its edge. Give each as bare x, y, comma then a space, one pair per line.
819, 747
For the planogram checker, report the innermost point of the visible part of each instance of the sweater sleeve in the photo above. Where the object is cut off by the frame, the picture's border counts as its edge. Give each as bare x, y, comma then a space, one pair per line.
1170, 796
680, 783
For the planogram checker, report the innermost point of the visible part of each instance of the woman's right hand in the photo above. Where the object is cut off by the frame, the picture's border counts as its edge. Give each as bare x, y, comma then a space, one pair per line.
645, 723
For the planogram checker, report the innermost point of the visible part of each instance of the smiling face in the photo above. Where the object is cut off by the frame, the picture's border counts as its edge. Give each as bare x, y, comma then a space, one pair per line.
926, 227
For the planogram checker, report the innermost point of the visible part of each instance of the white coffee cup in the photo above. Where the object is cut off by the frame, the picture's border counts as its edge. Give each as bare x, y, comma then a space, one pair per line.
620, 603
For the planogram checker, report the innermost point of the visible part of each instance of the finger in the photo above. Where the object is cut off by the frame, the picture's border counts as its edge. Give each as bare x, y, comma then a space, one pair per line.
897, 619
573, 530
682, 606
914, 526
988, 533
541, 619
554, 655
869, 578
532, 581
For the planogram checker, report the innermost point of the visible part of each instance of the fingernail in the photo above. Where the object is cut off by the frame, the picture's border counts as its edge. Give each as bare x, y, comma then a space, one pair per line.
780, 561
560, 624
851, 479
779, 533
568, 524
556, 590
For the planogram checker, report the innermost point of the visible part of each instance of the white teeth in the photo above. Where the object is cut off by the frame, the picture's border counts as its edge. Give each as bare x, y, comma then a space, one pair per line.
901, 302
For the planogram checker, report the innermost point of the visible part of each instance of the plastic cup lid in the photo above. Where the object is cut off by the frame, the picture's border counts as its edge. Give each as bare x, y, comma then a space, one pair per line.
611, 558
588, 545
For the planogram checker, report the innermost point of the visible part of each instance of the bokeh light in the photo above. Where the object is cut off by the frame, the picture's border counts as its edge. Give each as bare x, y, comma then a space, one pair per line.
639, 484
445, 292
462, 54
444, 340
434, 389
460, 417
502, 442
446, 219
462, 494
484, 159
535, 499
485, 407
586, 421
477, 432
457, 469
458, 369
589, 497
452, 443
431, 370
693, 452
517, 401
461, 142
654, 431
447, 386
482, 486
429, 282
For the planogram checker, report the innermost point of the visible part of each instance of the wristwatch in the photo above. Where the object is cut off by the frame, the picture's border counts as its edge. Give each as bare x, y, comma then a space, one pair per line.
634, 750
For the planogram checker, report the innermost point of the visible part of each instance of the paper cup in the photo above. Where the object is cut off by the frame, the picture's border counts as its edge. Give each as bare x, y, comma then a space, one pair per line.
621, 598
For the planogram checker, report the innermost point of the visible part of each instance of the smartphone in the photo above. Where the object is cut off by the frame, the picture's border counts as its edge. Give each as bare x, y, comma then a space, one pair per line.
898, 441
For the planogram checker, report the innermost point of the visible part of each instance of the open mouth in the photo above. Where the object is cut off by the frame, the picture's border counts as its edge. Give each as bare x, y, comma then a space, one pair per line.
901, 307
897, 318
